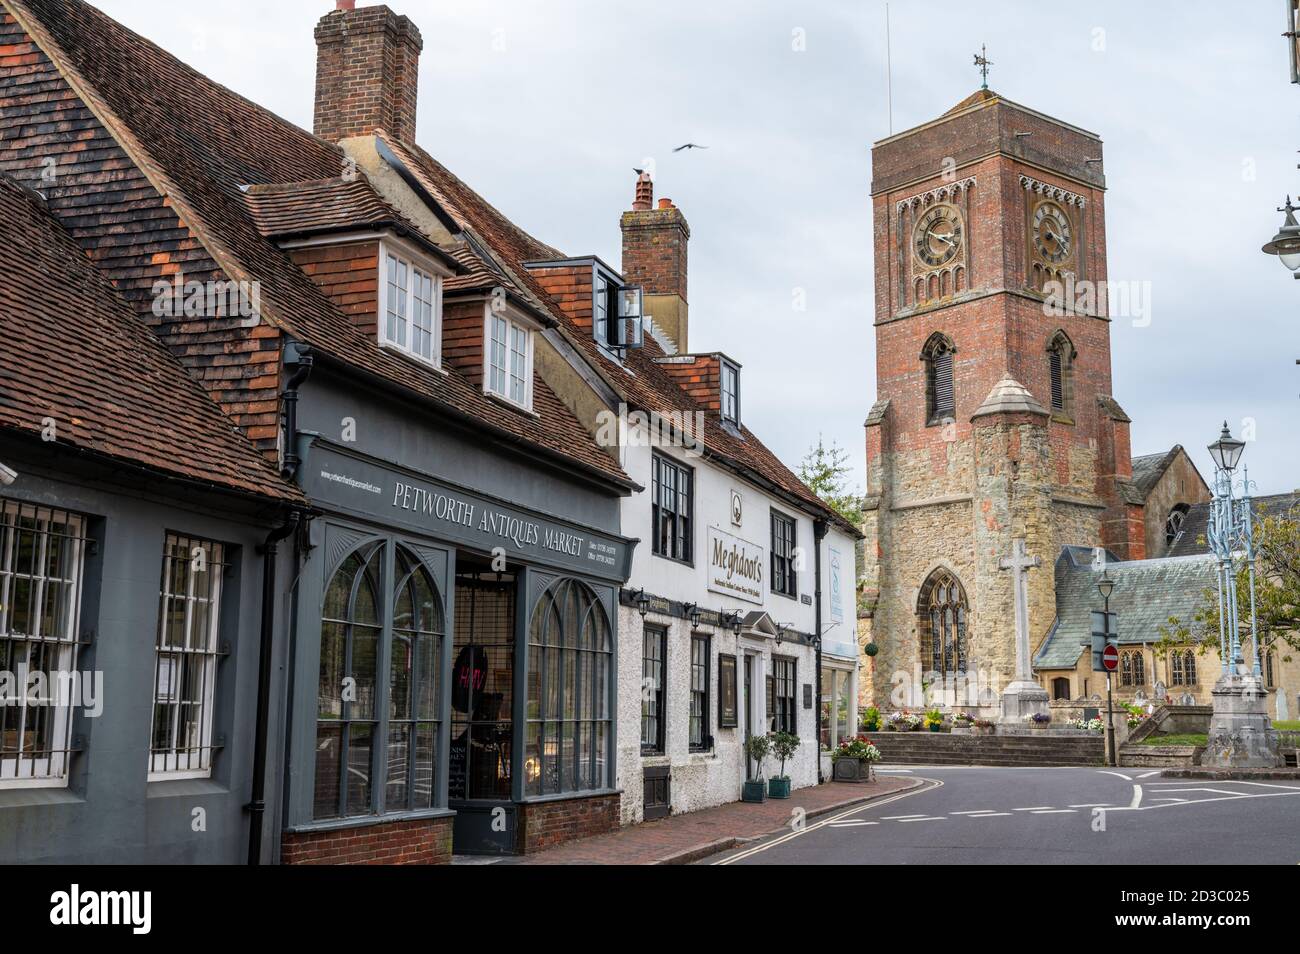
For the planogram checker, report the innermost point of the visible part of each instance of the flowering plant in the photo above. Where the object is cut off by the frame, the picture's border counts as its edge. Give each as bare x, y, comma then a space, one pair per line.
963, 718
857, 748
903, 721
1092, 725
1039, 718
933, 717
1136, 715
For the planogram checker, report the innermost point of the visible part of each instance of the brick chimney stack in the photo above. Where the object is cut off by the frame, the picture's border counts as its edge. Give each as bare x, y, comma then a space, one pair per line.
367, 73
654, 257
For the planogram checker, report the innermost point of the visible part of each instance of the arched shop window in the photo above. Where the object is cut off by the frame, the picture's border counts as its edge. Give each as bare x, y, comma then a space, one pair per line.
570, 653
357, 741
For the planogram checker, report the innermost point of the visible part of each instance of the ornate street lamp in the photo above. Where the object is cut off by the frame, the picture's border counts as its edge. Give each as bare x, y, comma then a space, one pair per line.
1106, 586
1286, 243
1241, 733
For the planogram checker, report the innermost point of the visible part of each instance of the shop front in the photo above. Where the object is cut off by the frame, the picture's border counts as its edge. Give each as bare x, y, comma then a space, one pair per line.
463, 650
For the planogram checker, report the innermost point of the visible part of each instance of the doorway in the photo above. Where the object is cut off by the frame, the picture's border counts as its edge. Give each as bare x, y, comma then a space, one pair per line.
480, 783
749, 713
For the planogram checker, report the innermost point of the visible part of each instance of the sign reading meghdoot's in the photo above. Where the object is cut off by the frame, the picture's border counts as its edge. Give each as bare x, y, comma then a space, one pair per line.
459, 515
736, 566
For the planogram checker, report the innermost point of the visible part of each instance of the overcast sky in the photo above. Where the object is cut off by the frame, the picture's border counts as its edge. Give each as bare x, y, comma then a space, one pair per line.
544, 106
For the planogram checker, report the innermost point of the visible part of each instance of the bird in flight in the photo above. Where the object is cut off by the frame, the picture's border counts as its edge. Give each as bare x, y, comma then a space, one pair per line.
690, 145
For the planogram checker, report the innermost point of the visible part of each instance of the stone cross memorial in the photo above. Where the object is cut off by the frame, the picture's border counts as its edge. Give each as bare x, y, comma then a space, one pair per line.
1024, 696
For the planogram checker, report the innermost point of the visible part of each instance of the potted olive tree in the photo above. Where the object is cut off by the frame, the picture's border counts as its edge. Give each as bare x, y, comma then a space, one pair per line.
757, 749
783, 746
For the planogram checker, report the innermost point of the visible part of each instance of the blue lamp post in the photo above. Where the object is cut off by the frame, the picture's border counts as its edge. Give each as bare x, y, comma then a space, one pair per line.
1230, 532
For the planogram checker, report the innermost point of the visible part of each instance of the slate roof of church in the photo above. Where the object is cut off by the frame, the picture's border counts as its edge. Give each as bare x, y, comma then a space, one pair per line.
1146, 594
201, 144
1191, 537
640, 381
74, 350
1148, 468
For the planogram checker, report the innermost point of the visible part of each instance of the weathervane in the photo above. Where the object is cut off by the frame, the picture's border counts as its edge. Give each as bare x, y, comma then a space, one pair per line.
983, 62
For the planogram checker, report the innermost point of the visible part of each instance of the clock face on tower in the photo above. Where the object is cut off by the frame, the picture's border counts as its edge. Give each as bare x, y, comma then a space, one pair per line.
1051, 233
938, 236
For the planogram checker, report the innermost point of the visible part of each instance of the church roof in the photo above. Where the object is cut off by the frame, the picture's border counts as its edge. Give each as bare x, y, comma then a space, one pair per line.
1191, 537
1147, 593
974, 99
1009, 396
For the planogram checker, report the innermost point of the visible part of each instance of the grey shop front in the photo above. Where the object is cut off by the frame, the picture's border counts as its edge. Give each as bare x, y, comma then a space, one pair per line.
454, 656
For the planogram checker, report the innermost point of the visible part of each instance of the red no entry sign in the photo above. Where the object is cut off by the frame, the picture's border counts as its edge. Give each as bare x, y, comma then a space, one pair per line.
1110, 658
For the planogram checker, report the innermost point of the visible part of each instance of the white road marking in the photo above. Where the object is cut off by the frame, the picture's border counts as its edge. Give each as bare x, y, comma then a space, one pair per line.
977, 811
1293, 788
1053, 811
1034, 808
899, 817
851, 823
1168, 798
1149, 774
904, 821
992, 815
933, 783
1093, 805
1127, 778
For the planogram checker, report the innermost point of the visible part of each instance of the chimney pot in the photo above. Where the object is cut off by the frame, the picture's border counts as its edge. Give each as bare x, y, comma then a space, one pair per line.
645, 193
345, 5
666, 204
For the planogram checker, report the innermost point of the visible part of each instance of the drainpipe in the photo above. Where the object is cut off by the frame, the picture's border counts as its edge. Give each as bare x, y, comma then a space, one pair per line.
265, 662
819, 534
301, 360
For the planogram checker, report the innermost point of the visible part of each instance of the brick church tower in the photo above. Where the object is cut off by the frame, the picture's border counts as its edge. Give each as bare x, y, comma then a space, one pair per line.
994, 417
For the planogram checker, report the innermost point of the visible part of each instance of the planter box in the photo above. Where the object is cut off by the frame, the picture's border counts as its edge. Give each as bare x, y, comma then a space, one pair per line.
853, 770
961, 730
754, 791
983, 729
778, 787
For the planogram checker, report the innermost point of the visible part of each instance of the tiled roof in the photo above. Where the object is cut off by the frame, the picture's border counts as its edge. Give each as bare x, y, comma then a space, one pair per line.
318, 205
640, 381
1149, 468
74, 350
200, 143
1146, 594
1191, 537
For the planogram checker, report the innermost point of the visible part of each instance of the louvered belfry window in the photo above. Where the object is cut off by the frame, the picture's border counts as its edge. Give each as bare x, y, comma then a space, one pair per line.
940, 397
1058, 385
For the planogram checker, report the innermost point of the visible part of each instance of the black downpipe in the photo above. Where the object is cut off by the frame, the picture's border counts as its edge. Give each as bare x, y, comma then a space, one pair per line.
819, 534
301, 362
265, 661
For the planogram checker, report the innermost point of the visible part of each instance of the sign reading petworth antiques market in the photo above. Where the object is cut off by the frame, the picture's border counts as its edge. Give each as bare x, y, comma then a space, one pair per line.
447, 512
735, 566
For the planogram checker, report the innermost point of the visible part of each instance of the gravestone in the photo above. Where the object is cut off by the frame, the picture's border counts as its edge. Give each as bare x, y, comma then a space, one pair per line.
1187, 699
1159, 694
1282, 714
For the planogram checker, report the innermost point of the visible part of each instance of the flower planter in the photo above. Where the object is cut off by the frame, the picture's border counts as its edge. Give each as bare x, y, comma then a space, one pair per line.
871, 727
753, 791
853, 770
778, 787
935, 728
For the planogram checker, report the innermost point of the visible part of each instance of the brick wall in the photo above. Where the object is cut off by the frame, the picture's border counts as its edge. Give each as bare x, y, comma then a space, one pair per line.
410, 842
544, 825
367, 65
570, 286
462, 338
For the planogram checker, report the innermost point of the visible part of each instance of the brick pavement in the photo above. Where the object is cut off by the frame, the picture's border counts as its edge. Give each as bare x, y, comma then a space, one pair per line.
683, 838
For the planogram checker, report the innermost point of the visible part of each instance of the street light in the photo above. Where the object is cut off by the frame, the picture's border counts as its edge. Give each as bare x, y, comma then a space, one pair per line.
1226, 451
1286, 243
1106, 586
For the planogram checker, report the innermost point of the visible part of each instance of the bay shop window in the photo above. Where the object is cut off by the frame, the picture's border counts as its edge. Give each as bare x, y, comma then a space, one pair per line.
418, 709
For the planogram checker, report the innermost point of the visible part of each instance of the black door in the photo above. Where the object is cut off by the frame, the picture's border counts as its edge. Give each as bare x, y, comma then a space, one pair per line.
482, 728
749, 713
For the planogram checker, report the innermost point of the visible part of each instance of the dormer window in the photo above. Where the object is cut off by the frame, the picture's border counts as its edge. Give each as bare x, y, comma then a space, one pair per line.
411, 307
508, 357
730, 393
615, 313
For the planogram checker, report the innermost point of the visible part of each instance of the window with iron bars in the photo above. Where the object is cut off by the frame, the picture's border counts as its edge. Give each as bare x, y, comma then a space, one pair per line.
185, 658
42, 562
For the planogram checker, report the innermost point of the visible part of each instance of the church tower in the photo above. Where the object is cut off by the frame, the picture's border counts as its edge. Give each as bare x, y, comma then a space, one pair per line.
994, 418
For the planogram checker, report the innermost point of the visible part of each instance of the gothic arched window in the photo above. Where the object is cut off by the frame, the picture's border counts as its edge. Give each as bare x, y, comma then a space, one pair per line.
940, 395
377, 733
1182, 668
1132, 668
1268, 670
1060, 362
1174, 522
570, 679
942, 611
